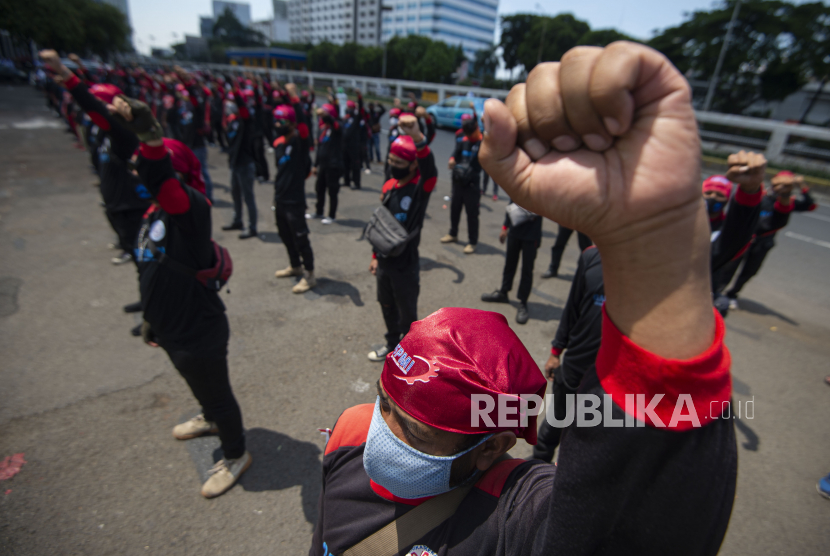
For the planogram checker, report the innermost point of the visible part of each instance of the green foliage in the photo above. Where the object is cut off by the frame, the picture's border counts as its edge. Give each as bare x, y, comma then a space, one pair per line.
486, 62
776, 47
80, 26
229, 30
603, 37
527, 39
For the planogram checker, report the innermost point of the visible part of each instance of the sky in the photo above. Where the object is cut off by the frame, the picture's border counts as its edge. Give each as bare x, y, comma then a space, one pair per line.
160, 23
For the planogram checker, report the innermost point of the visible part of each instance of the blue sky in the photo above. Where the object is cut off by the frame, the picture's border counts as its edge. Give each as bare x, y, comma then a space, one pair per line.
164, 22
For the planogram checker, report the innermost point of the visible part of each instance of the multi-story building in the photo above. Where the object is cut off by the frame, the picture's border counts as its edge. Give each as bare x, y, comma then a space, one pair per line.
240, 10
470, 23
336, 21
206, 27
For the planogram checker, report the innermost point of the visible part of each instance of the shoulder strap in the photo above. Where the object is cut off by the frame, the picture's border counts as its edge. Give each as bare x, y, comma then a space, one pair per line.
411, 526
403, 532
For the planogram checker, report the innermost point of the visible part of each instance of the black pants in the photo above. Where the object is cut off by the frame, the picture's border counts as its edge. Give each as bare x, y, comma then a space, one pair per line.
207, 376
750, 264
527, 249
467, 195
398, 297
352, 161
219, 133
126, 225
562, 237
259, 158
327, 180
293, 230
485, 179
550, 436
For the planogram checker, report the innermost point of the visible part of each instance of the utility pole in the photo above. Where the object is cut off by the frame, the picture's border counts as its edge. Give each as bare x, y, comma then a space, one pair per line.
384, 8
713, 83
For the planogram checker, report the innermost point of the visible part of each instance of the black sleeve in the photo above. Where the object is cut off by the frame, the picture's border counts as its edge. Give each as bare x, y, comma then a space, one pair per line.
570, 313
777, 220
736, 232
123, 142
806, 203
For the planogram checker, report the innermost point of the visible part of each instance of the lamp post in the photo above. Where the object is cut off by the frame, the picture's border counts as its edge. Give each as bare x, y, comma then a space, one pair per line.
384, 9
713, 83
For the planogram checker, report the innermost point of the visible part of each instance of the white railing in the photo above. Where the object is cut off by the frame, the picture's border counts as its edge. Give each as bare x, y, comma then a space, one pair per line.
777, 146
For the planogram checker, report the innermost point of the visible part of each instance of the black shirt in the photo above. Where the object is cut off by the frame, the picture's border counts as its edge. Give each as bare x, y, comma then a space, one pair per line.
467, 167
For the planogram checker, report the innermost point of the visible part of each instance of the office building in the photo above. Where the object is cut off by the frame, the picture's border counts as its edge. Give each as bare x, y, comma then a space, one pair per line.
336, 21
206, 27
240, 10
470, 23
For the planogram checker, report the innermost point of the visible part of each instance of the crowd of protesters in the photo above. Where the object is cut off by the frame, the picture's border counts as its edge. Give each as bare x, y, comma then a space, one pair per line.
644, 313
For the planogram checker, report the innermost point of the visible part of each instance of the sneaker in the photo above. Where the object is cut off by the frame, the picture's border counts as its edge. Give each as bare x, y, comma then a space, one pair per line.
193, 428
248, 234
122, 258
289, 272
224, 475
367, 171
308, 281
823, 487
113, 246
522, 315
379, 354
549, 273
327, 220
497, 296
312, 216
470, 248
449, 239
232, 226
133, 307
733, 304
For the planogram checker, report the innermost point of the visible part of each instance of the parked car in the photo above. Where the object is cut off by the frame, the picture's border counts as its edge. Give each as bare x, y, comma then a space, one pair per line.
448, 112
9, 73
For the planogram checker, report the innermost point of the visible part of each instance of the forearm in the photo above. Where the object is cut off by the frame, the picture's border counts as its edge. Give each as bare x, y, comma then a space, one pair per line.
658, 289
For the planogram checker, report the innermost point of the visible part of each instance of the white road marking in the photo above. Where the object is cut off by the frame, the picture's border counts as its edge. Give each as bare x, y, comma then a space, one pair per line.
37, 123
817, 216
808, 239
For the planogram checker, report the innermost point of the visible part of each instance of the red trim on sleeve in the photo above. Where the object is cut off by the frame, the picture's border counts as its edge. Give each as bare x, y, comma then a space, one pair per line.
783, 208
153, 153
811, 208
493, 480
422, 153
749, 199
429, 185
352, 427
625, 368
279, 141
99, 120
555, 351
72, 82
504, 228
172, 197
374, 255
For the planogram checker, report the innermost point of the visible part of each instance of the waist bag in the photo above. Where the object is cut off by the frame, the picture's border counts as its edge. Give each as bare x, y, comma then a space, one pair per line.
386, 234
212, 278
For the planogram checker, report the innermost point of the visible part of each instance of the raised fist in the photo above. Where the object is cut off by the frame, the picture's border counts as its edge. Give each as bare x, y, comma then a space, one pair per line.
747, 170
408, 125
783, 184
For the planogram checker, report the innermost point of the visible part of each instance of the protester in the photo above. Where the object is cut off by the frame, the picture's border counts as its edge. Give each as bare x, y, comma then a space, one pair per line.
217, 104
406, 195
394, 115
192, 123
291, 153
562, 237
376, 112
523, 232
355, 135
466, 177
239, 110
328, 163
660, 335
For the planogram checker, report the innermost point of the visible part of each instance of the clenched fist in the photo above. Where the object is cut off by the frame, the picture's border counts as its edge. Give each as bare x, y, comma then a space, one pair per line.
747, 170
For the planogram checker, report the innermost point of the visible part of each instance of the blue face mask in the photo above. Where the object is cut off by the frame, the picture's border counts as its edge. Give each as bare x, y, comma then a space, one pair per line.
400, 468
714, 206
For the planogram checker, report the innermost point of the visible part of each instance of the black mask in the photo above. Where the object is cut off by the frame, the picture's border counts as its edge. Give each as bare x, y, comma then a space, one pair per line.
400, 173
281, 131
714, 206
468, 128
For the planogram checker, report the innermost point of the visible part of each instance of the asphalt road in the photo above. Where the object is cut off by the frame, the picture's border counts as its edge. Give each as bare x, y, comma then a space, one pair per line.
91, 407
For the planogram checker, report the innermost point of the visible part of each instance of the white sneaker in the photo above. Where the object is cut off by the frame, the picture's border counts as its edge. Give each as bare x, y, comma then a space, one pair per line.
306, 283
224, 475
311, 216
733, 304
193, 428
379, 354
327, 220
288, 272
122, 258
367, 171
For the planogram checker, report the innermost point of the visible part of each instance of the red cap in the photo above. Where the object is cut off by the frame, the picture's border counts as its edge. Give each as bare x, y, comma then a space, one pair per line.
404, 147
105, 92
394, 112
285, 112
350, 104
453, 354
412, 104
185, 163
332, 111
465, 117
718, 184
783, 174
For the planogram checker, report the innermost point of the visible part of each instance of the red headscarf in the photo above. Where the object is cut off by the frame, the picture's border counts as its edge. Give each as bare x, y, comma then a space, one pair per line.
186, 163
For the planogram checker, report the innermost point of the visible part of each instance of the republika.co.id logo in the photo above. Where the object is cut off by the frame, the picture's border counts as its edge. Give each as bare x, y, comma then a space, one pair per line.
591, 410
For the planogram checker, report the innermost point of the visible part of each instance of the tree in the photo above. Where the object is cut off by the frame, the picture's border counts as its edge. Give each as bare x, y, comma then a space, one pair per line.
603, 37
486, 62
81, 26
527, 39
230, 31
776, 47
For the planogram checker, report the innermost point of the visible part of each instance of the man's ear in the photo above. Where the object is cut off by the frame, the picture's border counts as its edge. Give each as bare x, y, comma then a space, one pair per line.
494, 448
